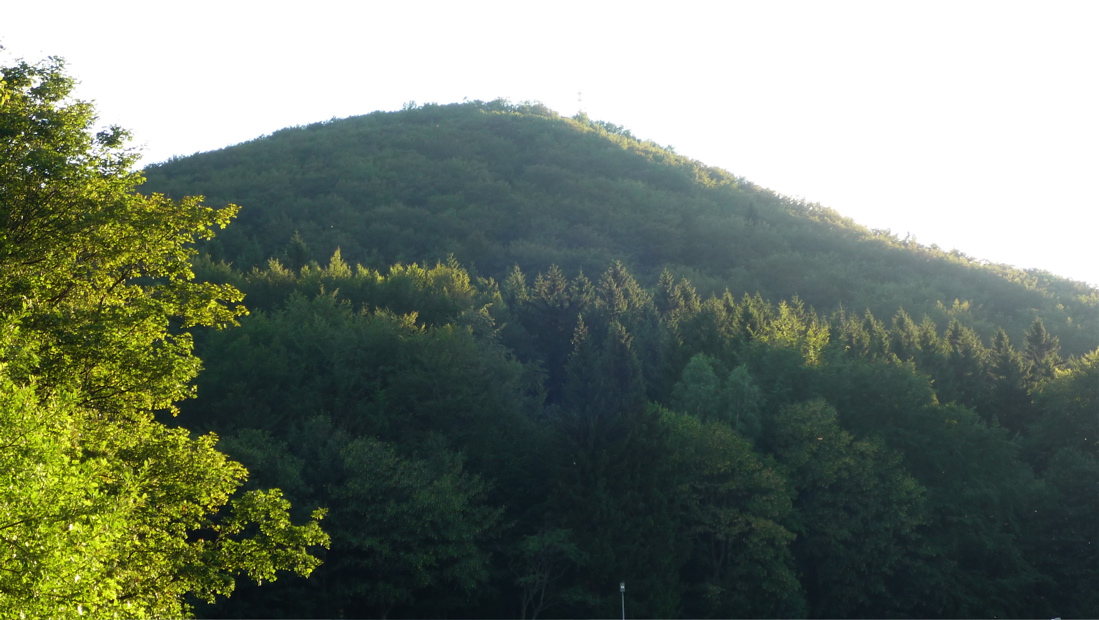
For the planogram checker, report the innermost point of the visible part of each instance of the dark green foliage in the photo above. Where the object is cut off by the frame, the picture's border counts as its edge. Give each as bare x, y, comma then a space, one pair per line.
1068, 411
490, 444
733, 399
1008, 400
613, 487
539, 563
856, 513
980, 498
403, 527
699, 391
904, 340
501, 436
791, 447
550, 314
370, 375
961, 378
1064, 536
497, 184
735, 507
1042, 353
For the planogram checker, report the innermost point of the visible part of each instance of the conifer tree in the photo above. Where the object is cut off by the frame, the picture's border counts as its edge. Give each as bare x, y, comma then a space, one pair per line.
1009, 401
699, 391
1041, 354
551, 317
962, 377
904, 337
612, 485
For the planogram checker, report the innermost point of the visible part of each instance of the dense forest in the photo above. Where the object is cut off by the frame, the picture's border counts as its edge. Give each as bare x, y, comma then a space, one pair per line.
507, 361
519, 448
497, 185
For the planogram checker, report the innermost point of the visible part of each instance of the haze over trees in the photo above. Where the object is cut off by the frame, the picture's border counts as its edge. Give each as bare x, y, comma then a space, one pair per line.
516, 359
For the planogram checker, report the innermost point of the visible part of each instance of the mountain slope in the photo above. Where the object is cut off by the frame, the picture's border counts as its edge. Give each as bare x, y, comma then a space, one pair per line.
487, 447
496, 185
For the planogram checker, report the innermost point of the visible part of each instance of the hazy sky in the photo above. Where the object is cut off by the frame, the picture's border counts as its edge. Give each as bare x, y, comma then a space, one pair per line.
971, 125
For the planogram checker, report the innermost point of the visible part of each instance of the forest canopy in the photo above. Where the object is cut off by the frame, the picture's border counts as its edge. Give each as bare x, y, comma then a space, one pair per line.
513, 360
724, 456
634, 367
496, 184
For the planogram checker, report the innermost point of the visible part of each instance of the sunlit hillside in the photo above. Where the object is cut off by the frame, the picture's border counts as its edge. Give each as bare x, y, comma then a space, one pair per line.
497, 185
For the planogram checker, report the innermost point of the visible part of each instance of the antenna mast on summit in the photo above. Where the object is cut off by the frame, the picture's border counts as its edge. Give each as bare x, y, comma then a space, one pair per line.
580, 101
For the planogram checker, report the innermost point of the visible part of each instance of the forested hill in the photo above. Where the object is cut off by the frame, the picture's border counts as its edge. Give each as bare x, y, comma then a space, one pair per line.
611, 376
497, 185
548, 358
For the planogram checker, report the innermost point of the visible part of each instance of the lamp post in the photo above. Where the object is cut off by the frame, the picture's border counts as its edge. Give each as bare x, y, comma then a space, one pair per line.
622, 590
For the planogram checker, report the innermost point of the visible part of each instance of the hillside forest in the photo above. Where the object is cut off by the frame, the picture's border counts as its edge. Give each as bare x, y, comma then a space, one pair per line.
481, 360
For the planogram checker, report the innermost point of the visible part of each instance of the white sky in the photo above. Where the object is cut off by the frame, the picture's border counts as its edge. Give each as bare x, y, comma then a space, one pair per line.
972, 125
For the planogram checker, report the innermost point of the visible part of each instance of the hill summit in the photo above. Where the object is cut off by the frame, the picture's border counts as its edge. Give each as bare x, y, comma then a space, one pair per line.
523, 358
496, 185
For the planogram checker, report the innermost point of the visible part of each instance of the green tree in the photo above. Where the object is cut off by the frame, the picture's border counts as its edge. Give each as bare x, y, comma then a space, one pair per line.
699, 391
858, 337
856, 512
745, 401
675, 299
1041, 353
904, 337
96, 298
735, 505
1064, 534
1008, 401
1069, 411
961, 377
612, 487
619, 298
980, 498
541, 561
550, 314
734, 400
715, 328
402, 526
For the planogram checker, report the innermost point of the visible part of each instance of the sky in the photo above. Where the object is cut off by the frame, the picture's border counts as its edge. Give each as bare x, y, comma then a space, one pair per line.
969, 125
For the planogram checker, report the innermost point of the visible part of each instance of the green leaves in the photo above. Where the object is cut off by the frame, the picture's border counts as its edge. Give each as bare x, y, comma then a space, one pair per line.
813, 469
736, 505
278, 545
58, 525
856, 509
405, 525
540, 561
105, 511
734, 399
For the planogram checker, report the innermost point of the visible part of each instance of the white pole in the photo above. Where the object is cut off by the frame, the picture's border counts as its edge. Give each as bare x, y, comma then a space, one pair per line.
622, 590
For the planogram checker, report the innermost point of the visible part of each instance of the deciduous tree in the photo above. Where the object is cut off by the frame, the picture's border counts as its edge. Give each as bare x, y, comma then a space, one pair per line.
107, 511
